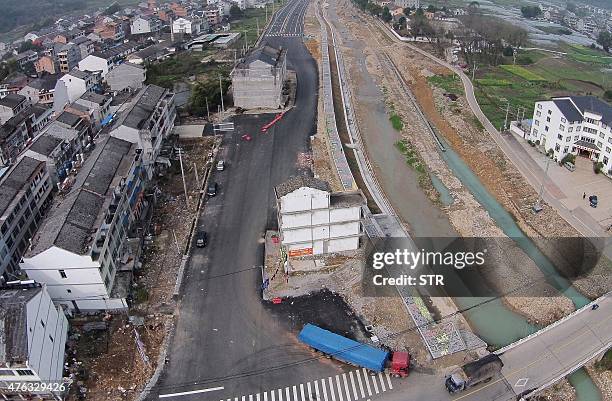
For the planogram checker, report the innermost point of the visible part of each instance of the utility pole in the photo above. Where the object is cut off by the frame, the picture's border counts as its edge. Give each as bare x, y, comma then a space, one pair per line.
207, 111
195, 170
266, 8
246, 42
506, 119
474, 71
221, 88
257, 22
180, 152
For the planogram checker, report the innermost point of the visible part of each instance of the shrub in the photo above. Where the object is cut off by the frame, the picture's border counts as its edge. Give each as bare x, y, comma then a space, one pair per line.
524, 60
569, 158
597, 167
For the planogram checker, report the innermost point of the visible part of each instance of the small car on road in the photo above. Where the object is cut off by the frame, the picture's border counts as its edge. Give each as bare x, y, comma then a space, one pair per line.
212, 189
246, 137
221, 165
201, 239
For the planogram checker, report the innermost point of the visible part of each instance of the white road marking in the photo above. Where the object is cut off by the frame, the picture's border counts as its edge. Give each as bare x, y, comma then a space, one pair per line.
250, 397
331, 389
324, 389
346, 388
288, 397
375, 384
360, 383
204, 390
257, 397
338, 388
316, 386
367, 382
295, 393
382, 382
273, 394
243, 398
309, 391
353, 385
389, 381
265, 397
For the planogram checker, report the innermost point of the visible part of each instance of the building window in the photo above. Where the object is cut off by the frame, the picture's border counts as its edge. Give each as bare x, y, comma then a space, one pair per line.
568, 139
546, 128
535, 132
560, 137
563, 120
566, 149
63, 273
538, 113
605, 160
69, 291
549, 112
25, 372
547, 119
6, 372
536, 122
42, 323
608, 150
562, 127
557, 147
570, 129
599, 144
540, 106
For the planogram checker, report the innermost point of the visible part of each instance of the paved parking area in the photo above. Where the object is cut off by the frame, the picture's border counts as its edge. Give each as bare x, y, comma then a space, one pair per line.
571, 185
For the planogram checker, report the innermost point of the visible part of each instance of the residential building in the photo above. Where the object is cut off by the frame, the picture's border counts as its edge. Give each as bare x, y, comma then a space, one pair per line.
13, 83
312, 220
34, 333
68, 57
126, 76
25, 190
83, 246
40, 90
86, 46
62, 148
25, 58
95, 62
178, 9
147, 122
15, 135
96, 105
112, 31
145, 24
581, 125
186, 26
45, 64
42, 115
71, 86
212, 15
258, 79
10, 105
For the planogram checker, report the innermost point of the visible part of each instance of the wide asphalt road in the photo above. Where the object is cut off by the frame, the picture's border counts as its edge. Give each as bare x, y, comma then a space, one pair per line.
228, 342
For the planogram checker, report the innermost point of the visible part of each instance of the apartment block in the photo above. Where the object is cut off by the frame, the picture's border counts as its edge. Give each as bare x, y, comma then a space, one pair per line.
34, 333
147, 122
581, 125
25, 191
83, 246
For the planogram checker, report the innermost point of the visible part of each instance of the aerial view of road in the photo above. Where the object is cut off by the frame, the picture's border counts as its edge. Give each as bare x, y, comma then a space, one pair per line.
306, 200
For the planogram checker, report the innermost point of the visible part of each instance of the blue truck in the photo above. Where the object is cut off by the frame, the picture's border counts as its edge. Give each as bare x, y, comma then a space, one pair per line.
353, 352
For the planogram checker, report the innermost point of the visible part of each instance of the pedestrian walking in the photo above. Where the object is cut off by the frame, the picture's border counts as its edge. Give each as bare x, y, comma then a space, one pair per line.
583, 195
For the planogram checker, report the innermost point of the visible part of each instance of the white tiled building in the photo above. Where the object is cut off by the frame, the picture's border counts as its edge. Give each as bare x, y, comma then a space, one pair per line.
312, 220
581, 125
33, 333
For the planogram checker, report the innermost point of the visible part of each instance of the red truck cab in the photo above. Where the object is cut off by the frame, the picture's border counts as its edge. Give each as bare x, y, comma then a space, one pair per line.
400, 363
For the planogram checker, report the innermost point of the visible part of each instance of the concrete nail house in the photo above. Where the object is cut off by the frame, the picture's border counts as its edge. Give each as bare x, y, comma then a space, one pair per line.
313, 220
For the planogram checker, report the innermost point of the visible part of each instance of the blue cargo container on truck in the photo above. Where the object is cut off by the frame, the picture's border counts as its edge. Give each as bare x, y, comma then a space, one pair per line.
353, 352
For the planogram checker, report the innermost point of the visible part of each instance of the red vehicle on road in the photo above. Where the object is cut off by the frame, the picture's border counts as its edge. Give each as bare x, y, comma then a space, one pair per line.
246, 137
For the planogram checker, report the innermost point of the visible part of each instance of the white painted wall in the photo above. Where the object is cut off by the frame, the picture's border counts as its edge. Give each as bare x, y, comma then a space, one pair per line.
93, 63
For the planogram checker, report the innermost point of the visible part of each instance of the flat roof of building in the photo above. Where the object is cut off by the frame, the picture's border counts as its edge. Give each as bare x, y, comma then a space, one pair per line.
14, 323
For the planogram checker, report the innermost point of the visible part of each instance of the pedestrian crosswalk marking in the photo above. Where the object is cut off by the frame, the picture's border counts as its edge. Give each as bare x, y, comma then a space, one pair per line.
331, 389
339, 388
365, 375
346, 388
350, 386
375, 385
382, 382
353, 385
360, 383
